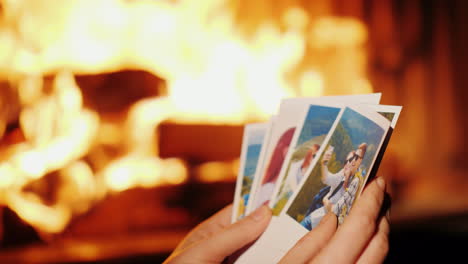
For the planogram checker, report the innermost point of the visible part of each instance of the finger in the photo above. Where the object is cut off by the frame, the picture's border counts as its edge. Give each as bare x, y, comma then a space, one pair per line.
386, 206
311, 244
378, 247
220, 220
232, 238
207, 228
358, 228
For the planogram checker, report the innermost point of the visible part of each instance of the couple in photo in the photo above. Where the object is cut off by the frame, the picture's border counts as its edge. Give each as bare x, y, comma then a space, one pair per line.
341, 189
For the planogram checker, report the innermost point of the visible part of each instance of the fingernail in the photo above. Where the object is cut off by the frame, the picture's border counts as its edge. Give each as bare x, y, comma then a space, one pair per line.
381, 182
260, 213
387, 214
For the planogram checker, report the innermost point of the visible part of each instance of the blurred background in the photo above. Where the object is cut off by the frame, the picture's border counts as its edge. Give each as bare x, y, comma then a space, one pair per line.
121, 120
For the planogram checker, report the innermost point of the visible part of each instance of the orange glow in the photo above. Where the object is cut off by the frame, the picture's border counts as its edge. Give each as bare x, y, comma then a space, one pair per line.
138, 171
51, 219
216, 171
214, 73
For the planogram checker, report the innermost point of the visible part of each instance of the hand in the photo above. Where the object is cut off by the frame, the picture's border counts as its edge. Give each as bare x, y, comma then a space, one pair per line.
216, 238
362, 238
326, 158
327, 204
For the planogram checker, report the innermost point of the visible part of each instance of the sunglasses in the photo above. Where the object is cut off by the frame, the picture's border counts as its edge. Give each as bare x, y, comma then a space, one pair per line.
354, 157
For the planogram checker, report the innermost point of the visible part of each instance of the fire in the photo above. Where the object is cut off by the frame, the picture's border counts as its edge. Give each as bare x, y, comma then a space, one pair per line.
215, 72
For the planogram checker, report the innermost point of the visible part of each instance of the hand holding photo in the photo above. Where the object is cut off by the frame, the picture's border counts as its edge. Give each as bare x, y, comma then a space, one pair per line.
324, 170
336, 180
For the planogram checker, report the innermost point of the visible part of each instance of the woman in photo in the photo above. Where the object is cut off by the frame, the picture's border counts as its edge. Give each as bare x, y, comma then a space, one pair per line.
267, 186
298, 169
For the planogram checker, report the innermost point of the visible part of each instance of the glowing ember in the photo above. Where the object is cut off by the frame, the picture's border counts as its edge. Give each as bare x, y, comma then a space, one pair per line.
214, 71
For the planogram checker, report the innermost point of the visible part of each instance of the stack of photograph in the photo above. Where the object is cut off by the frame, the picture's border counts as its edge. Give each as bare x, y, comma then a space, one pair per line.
314, 157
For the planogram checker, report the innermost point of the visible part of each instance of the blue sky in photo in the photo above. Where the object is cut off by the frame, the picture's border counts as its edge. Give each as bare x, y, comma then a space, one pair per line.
318, 121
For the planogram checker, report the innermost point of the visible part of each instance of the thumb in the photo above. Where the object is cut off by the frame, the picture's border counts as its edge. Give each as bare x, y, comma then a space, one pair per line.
234, 237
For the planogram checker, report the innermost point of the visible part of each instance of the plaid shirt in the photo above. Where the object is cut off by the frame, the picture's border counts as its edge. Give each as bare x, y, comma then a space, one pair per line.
343, 205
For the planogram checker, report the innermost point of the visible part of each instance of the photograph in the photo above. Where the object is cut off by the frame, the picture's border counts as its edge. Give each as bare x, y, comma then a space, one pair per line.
392, 114
315, 127
254, 135
349, 152
273, 167
290, 115
341, 172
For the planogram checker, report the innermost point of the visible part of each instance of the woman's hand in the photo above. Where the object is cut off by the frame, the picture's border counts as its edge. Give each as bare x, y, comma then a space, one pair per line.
326, 158
362, 238
216, 238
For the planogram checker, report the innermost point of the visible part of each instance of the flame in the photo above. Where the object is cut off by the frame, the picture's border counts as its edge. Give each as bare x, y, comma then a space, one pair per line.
215, 72
59, 133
